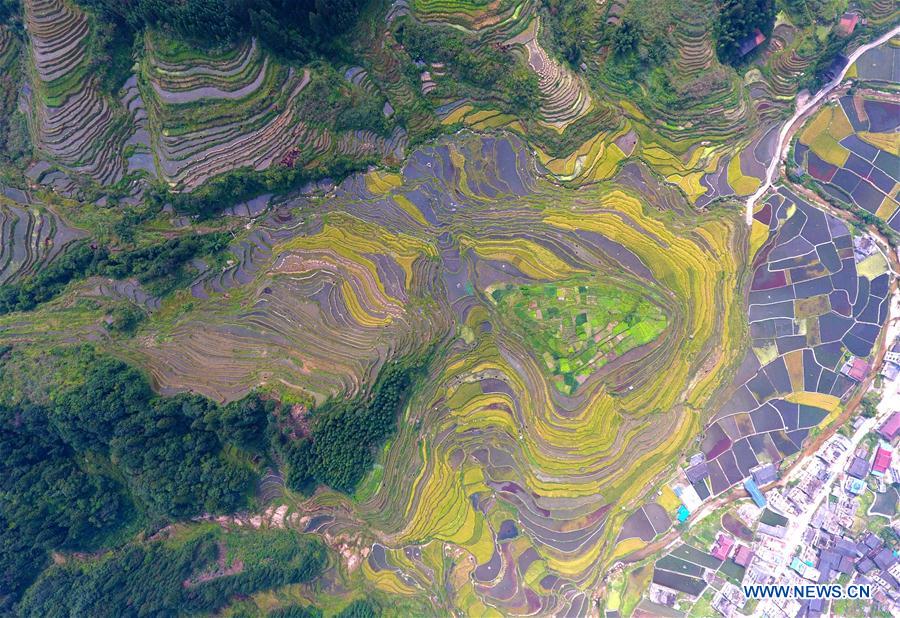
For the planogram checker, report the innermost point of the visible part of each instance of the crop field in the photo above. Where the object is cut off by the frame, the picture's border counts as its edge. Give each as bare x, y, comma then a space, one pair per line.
852, 151
543, 232
578, 327
880, 66
468, 248
552, 371
811, 308
70, 119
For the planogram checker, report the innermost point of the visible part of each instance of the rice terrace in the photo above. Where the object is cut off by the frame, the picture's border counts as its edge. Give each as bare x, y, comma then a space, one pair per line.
448, 307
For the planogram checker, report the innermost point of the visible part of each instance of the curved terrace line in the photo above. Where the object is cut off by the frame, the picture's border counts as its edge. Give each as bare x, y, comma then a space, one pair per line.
772, 170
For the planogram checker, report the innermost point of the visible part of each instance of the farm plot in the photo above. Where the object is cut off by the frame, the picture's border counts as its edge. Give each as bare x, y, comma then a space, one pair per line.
852, 150
879, 66
214, 112
814, 303
30, 237
577, 327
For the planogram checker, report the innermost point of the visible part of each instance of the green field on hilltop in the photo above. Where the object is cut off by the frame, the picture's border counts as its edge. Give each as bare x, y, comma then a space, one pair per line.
578, 326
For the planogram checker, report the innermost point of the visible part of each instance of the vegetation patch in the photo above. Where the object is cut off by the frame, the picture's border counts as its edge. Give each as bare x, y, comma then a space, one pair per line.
576, 327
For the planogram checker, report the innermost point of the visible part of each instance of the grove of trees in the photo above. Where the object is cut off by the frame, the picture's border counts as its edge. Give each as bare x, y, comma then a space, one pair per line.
161, 267
296, 29
106, 455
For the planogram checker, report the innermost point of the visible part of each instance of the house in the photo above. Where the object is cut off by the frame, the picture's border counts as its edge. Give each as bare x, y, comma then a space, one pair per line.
751, 42
846, 547
845, 566
884, 559
865, 566
847, 24
856, 486
764, 474
777, 531
891, 427
722, 546
856, 368
871, 542
804, 570
859, 468
754, 492
882, 460
743, 555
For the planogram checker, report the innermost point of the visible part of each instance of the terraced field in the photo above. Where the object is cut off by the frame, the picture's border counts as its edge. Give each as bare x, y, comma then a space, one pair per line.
593, 303
817, 299
30, 237
212, 114
72, 122
470, 247
564, 96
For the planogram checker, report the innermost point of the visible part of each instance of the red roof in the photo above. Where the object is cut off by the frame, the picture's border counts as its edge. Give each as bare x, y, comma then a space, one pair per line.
742, 555
722, 547
891, 427
882, 460
859, 369
848, 22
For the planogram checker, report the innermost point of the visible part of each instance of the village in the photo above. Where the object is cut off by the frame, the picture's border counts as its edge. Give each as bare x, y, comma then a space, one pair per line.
830, 520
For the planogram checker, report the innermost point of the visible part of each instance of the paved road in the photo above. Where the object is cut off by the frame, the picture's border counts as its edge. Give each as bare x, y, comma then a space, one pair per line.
787, 128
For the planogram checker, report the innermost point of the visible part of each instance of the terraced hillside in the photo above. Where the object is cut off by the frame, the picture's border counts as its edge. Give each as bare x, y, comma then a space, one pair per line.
73, 123
564, 97
317, 300
470, 363
214, 113
32, 237
237, 107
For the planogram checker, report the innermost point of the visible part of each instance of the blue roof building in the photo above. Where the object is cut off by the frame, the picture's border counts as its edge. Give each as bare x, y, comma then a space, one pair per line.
754, 492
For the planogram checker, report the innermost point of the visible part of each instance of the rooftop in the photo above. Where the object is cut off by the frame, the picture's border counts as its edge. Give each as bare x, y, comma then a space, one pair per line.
891, 427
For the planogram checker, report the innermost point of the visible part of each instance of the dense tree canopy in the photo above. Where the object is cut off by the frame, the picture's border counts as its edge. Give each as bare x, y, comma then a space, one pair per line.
341, 447
293, 28
167, 579
161, 267
105, 450
47, 500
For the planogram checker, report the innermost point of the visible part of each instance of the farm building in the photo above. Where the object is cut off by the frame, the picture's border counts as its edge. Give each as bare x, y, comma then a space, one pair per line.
847, 24
764, 474
697, 472
754, 492
753, 40
856, 369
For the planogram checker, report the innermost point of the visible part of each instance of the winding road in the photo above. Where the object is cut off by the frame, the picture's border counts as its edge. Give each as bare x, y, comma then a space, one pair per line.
783, 135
